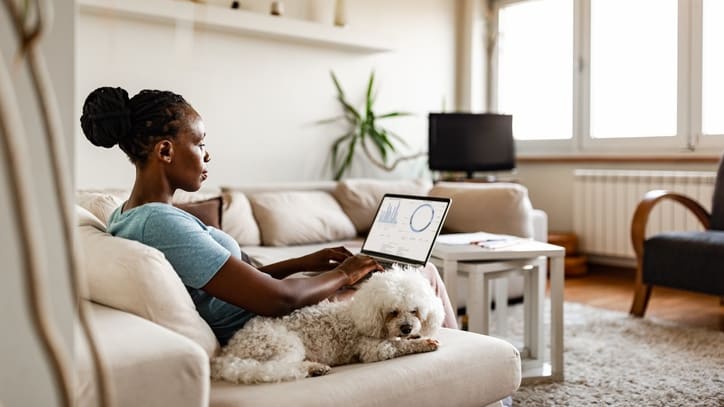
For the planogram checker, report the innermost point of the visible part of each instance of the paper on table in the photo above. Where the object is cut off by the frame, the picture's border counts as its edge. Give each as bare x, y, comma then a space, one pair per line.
482, 239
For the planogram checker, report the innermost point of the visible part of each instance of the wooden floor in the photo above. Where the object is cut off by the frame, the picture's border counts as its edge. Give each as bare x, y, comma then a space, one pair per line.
612, 288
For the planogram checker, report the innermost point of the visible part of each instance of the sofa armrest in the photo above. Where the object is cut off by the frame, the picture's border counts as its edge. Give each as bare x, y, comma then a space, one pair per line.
147, 364
540, 225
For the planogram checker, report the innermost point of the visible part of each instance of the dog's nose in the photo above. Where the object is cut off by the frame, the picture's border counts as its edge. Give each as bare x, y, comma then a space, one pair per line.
406, 328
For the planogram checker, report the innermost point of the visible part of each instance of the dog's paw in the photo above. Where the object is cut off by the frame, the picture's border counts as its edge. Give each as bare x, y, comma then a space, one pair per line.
429, 344
317, 369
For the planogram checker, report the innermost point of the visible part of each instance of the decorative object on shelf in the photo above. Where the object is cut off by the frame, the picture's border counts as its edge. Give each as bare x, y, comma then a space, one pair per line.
254, 23
340, 13
321, 11
363, 129
277, 8
235, 4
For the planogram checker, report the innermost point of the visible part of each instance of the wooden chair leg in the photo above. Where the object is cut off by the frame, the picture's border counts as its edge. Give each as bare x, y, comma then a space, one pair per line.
642, 293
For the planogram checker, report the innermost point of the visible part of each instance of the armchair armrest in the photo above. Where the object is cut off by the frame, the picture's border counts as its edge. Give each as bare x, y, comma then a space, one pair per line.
647, 204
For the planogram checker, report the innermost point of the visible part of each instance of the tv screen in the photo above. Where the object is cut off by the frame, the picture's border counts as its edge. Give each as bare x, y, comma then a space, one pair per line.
471, 142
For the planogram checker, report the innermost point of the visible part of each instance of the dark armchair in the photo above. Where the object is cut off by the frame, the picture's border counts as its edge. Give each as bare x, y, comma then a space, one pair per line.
691, 260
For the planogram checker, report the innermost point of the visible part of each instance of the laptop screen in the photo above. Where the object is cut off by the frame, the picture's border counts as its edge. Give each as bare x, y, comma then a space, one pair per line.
405, 228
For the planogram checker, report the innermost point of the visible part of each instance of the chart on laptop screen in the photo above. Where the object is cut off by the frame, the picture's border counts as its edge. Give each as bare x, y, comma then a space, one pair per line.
405, 227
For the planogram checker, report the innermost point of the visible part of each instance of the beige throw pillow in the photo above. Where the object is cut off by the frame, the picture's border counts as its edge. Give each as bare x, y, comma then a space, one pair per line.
494, 208
239, 220
132, 277
299, 217
360, 197
100, 204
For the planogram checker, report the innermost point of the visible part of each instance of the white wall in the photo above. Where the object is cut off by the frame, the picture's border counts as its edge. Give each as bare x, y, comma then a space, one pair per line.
260, 98
24, 375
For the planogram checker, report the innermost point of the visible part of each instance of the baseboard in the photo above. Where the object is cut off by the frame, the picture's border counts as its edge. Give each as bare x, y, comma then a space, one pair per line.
611, 260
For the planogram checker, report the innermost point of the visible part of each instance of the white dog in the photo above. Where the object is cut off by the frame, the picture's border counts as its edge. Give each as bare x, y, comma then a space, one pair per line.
393, 313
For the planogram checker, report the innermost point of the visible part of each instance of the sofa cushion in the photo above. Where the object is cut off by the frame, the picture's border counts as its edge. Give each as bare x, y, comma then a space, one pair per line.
208, 211
468, 370
239, 220
136, 278
500, 207
360, 197
299, 217
101, 203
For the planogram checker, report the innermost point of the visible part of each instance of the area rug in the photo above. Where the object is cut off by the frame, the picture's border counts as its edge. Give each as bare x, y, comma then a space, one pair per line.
613, 359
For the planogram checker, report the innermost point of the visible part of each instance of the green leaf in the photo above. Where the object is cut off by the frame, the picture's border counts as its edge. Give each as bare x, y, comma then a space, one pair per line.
330, 120
379, 141
349, 109
335, 148
369, 99
393, 114
340, 92
386, 140
348, 160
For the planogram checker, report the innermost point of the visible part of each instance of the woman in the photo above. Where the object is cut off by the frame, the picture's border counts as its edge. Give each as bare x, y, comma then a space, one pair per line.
163, 136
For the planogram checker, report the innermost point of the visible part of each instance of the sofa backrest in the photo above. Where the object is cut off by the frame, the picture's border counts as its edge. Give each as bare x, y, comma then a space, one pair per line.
242, 223
360, 197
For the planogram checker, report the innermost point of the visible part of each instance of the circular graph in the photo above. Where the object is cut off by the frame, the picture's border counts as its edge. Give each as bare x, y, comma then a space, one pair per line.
421, 217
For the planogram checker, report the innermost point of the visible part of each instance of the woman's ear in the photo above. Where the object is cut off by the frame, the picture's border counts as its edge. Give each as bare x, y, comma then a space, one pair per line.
163, 150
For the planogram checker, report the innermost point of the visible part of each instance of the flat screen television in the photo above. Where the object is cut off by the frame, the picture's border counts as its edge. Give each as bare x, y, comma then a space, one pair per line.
471, 142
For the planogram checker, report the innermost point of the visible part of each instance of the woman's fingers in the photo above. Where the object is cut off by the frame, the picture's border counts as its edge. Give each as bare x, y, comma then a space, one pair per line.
339, 254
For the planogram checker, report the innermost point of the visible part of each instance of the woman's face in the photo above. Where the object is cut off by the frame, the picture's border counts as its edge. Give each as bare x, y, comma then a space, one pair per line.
188, 166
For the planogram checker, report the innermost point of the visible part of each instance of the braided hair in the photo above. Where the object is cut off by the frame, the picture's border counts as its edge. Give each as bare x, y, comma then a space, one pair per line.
136, 124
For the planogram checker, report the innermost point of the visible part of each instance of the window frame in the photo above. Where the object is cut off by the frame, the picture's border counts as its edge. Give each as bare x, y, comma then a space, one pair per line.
688, 136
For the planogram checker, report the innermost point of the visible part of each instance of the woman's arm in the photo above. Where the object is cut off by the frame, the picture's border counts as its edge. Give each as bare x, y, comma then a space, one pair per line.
242, 285
322, 260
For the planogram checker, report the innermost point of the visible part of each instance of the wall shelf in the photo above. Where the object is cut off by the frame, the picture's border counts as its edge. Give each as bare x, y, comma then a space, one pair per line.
239, 22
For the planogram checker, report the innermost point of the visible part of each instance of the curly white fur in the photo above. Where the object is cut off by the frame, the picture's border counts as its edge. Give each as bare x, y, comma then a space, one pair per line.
394, 313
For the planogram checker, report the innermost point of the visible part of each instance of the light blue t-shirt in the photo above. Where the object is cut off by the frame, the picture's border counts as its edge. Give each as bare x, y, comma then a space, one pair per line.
195, 251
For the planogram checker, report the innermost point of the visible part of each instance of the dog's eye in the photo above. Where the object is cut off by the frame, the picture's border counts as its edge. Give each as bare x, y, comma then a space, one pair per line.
415, 312
394, 313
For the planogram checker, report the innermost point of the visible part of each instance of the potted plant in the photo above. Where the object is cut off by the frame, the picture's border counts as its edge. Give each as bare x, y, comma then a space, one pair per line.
364, 130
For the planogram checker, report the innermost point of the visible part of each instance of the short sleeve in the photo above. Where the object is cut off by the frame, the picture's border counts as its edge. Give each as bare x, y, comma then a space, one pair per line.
188, 246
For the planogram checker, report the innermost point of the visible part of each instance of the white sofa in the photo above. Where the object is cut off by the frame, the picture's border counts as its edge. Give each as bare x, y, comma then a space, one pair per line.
157, 348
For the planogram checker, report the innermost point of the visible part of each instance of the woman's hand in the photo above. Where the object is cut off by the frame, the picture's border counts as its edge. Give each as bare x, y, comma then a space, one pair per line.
357, 267
325, 259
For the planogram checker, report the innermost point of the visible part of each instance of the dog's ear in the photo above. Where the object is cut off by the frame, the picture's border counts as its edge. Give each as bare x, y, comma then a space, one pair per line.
368, 318
432, 315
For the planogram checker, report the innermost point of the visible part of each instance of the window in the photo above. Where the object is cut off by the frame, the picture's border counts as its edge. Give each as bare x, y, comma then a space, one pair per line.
609, 75
534, 75
633, 68
712, 87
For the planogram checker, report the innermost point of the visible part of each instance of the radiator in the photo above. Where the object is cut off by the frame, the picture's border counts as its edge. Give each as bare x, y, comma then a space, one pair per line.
604, 202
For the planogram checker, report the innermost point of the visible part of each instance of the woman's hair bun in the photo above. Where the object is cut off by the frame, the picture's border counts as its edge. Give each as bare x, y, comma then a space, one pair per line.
106, 118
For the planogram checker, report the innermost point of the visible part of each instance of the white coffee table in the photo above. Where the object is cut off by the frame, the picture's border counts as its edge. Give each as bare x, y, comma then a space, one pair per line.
483, 266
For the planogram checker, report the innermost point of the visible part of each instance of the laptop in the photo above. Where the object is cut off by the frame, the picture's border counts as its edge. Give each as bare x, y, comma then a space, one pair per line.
405, 228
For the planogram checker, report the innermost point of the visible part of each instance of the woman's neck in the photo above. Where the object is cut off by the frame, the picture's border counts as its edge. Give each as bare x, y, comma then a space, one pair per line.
150, 186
